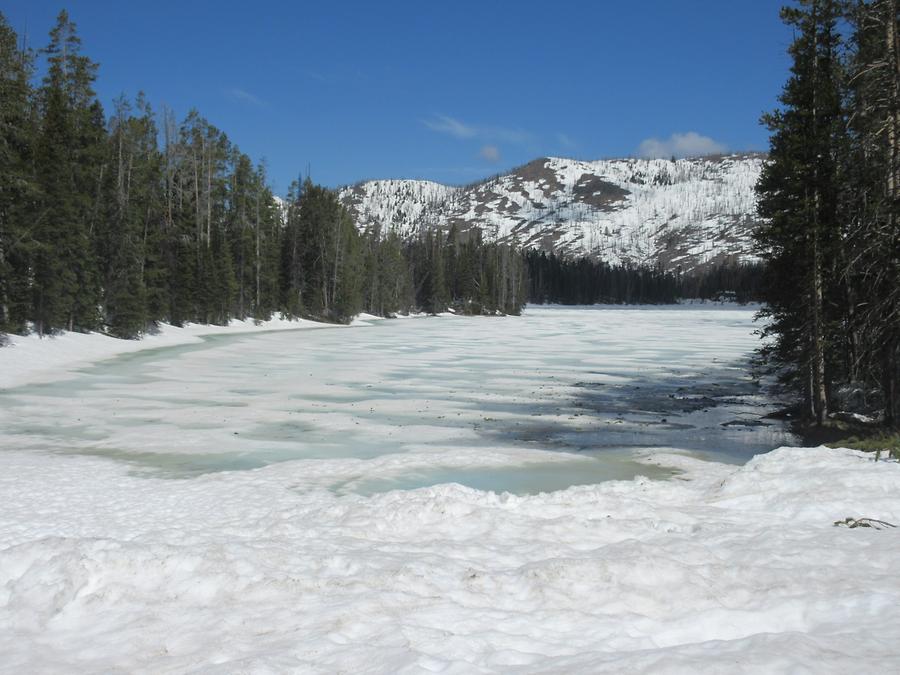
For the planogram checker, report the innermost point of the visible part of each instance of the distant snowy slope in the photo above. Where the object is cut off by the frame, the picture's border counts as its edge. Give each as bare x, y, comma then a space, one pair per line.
687, 212
397, 204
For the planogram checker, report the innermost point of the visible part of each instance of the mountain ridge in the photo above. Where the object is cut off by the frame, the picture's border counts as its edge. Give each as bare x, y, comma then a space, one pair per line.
685, 214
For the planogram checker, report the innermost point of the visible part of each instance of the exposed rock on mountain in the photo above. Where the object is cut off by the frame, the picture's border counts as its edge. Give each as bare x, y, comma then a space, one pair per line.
685, 213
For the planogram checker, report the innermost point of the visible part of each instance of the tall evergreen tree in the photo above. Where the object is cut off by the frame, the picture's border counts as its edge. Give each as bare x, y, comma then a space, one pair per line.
69, 169
268, 223
292, 260
873, 196
18, 191
129, 239
797, 197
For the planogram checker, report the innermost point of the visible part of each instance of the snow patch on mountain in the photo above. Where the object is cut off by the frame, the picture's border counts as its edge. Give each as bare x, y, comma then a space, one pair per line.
684, 213
402, 205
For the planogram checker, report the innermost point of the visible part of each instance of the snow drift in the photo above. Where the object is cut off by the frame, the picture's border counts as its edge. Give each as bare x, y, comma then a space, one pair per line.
735, 568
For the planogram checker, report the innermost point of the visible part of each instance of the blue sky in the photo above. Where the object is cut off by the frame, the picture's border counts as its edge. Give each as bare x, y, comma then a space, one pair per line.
447, 91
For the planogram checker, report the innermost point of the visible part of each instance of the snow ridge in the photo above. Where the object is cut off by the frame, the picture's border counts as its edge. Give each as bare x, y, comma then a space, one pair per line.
685, 213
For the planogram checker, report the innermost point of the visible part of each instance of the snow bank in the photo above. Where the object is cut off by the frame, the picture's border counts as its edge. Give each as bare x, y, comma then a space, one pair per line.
736, 569
30, 359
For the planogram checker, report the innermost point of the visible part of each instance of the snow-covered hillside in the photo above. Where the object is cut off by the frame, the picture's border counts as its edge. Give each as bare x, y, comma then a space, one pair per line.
686, 212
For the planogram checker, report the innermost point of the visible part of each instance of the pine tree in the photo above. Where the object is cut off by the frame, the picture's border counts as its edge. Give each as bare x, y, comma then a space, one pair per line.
435, 297
18, 191
69, 170
873, 196
797, 197
348, 268
322, 256
130, 238
268, 229
243, 228
292, 262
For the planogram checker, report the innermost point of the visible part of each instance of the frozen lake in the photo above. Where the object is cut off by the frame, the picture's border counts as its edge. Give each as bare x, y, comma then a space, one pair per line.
232, 506
449, 399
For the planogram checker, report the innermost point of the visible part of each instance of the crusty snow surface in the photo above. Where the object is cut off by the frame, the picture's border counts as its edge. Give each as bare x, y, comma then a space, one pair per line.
104, 568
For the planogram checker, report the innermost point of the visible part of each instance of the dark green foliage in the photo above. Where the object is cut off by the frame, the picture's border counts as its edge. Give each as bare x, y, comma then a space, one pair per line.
68, 163
322, 256
460, 272
18, 187
871, 206
387, 285
798, 198
830, 196
101, 228
132, 205
584, 281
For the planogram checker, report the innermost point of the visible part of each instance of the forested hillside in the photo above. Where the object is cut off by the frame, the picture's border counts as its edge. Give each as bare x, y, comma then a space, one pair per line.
116, 222
587, 281
681, 215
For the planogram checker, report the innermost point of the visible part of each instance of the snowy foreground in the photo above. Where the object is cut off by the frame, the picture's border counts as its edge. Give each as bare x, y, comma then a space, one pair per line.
106, 565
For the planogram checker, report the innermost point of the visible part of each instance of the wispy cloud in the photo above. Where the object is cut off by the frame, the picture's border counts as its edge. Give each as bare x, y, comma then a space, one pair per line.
315, 75
461, 170
690, 144
490, 152
245, 96
566, 141
449, 125
452, 126
514, 136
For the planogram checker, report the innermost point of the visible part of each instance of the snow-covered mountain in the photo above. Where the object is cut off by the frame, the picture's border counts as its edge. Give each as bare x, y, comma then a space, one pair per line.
686, 212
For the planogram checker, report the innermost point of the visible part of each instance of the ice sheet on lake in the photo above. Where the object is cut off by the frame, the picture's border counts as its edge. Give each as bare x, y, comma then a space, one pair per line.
323, 559
601, 383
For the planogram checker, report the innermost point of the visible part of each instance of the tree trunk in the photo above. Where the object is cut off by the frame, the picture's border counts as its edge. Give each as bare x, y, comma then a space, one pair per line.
337, 258
209, 169
889, 316
889, 386
258, 262
819, 385
820, 393
197, 213
4, 300
241, 268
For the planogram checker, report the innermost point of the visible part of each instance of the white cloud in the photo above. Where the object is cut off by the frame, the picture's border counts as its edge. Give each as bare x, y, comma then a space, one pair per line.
462, 170
316, 75
490, 152
450, 125
690, 144
514, 136
245, 97
566, 141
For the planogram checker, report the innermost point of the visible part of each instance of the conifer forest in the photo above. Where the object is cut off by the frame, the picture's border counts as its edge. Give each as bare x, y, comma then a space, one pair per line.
830, 200
114, 222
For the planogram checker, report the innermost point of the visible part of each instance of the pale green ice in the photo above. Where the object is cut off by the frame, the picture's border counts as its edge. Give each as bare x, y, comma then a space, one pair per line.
467, 400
